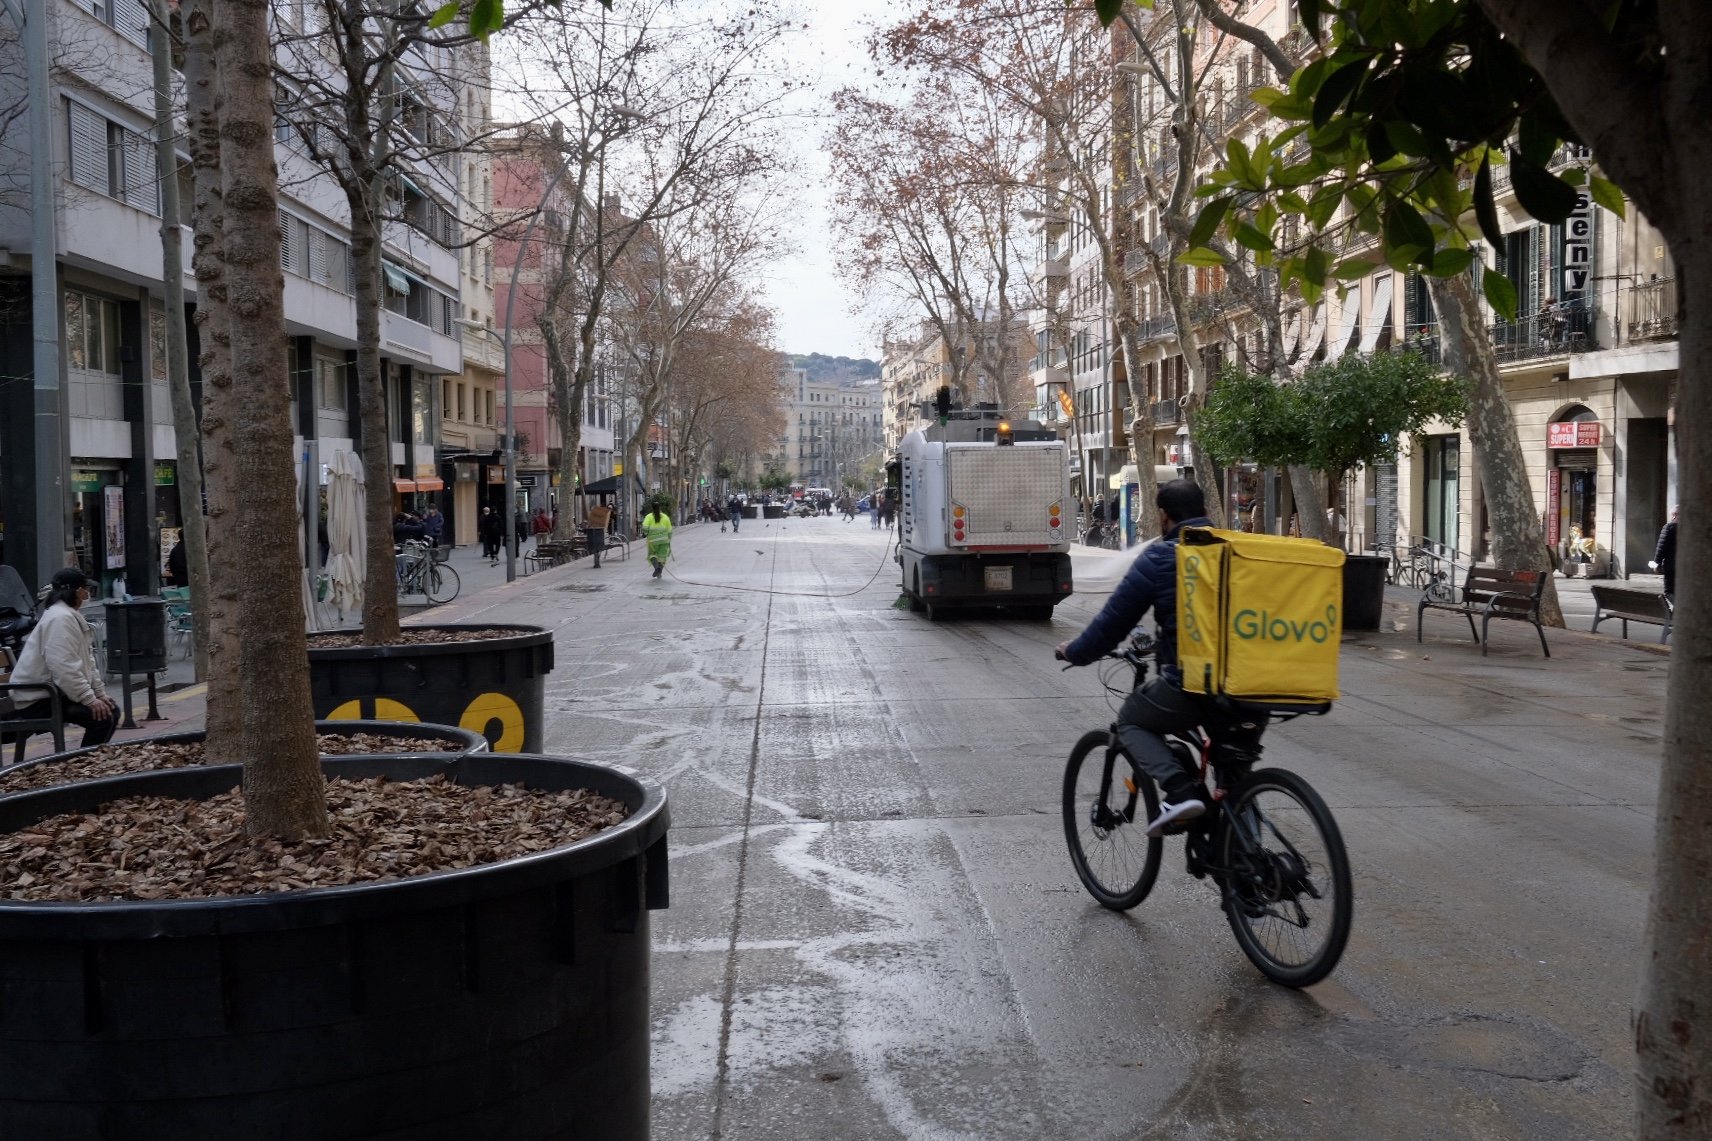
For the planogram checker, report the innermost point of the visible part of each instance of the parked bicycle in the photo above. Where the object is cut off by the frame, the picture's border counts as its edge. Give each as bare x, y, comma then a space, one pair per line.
1269, 844
422, 570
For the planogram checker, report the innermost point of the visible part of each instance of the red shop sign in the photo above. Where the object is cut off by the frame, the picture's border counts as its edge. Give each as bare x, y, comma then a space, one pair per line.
1573, 434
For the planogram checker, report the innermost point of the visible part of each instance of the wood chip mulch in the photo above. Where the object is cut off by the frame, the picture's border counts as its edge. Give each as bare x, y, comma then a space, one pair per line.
147, 756
155, 847
412, 637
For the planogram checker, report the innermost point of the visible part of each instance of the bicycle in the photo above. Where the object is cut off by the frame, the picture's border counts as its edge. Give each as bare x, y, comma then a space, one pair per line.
1269, 843
421, 570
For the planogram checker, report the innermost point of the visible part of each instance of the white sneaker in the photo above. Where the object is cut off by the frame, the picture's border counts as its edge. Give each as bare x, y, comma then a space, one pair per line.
1173, 813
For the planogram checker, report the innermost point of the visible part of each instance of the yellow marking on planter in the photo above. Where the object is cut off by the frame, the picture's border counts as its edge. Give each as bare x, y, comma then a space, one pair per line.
495, 707
385, 709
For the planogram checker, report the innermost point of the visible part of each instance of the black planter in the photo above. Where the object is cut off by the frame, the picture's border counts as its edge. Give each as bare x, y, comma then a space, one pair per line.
1364, 591
506, 1001
495, 687
467, 742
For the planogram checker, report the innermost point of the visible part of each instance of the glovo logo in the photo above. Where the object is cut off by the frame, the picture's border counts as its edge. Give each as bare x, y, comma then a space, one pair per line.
1265, 626
1191, 583
477, 716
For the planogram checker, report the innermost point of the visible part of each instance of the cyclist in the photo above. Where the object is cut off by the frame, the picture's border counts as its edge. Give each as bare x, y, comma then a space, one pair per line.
1161, 706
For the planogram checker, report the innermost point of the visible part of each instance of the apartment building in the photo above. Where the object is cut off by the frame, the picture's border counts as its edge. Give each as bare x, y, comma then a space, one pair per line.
913, 367
1590, 364
121, 505
523, 170
833, 432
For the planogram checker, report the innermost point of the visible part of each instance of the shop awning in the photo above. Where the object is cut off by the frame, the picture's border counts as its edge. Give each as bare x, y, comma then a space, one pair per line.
404, 486
430, 483
395, 278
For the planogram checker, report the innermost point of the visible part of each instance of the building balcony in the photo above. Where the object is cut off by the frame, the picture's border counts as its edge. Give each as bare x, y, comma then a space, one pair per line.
1649, 311
1056, 264
1165, 413
1554, 334
1156, 328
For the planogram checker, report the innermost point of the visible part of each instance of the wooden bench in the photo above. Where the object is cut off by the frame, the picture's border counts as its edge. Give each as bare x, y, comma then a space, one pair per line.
1491, 593
1626, 604
21, 729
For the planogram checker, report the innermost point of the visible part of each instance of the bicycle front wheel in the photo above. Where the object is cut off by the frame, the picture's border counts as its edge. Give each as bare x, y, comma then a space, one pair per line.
1285, 878
1107, 804
443, 583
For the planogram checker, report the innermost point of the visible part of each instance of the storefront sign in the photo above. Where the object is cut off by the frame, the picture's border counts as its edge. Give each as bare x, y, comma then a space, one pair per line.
113, 520
1554, 491
166, 474
85, 480
1573, 434
1578, 246
496, 474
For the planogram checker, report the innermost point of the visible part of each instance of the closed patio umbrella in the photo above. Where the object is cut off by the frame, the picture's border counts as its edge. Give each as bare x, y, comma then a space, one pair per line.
347, 533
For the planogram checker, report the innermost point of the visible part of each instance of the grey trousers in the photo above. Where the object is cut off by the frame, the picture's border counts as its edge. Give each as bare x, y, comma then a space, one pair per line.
1161, 707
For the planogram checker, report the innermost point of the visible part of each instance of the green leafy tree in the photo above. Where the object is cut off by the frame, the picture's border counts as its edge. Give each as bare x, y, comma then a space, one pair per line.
1394, 133
1334, 418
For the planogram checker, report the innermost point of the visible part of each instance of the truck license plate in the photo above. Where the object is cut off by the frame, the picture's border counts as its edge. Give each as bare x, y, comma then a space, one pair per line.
998, 578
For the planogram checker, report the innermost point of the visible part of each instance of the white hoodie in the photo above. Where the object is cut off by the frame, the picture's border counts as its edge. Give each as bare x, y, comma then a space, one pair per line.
60, 651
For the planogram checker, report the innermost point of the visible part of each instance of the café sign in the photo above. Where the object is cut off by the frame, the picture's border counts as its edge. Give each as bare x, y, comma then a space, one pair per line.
1573, 434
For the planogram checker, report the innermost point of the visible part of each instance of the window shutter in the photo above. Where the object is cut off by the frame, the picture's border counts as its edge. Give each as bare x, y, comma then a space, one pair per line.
318, 242
88, 148
132, 21
285, 236
142, 174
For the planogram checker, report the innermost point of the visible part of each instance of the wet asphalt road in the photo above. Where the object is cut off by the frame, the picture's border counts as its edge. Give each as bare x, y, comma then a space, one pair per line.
875, 931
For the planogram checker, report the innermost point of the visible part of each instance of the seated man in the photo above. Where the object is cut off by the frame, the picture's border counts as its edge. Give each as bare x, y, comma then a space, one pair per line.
1161, 706
60, 653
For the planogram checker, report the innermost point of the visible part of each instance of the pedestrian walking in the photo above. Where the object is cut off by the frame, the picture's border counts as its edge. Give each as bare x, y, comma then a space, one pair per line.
599, 519
520, 528
657, 526
1664, 555
734, 512
489, 528
60, 655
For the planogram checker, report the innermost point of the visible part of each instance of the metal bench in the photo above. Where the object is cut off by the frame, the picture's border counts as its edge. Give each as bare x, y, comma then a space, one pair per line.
1491, 593
1626, 605
21, 729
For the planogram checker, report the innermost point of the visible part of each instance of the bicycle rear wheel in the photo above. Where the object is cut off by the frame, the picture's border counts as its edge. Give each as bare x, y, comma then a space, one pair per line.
1285, 878
1114, 857
442, 583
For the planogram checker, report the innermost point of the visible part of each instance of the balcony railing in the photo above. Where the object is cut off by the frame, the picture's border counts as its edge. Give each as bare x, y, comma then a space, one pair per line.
1155, 328
1555, 333
1134, 262
1558, 333
1165, 413
1649, 311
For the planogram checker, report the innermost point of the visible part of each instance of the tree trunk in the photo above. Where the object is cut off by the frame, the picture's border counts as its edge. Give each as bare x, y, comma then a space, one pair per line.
1673, 1016
184, 426
1518, 543
224, 722
570, 395
1310, 504
365, 192
284, 794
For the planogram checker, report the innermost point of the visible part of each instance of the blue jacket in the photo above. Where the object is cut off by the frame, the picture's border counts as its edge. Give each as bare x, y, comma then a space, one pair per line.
1151, 584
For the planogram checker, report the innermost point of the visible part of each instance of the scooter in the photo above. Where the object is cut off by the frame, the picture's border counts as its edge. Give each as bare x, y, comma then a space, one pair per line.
18, 613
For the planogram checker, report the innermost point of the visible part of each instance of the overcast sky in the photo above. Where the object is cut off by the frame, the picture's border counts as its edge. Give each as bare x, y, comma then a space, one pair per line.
816, 311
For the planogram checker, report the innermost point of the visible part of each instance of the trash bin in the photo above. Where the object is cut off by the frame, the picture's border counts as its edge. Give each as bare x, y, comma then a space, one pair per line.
1364, 591
136, 636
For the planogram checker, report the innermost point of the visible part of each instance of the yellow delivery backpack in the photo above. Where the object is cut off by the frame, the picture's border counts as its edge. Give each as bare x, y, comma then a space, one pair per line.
1259, 618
